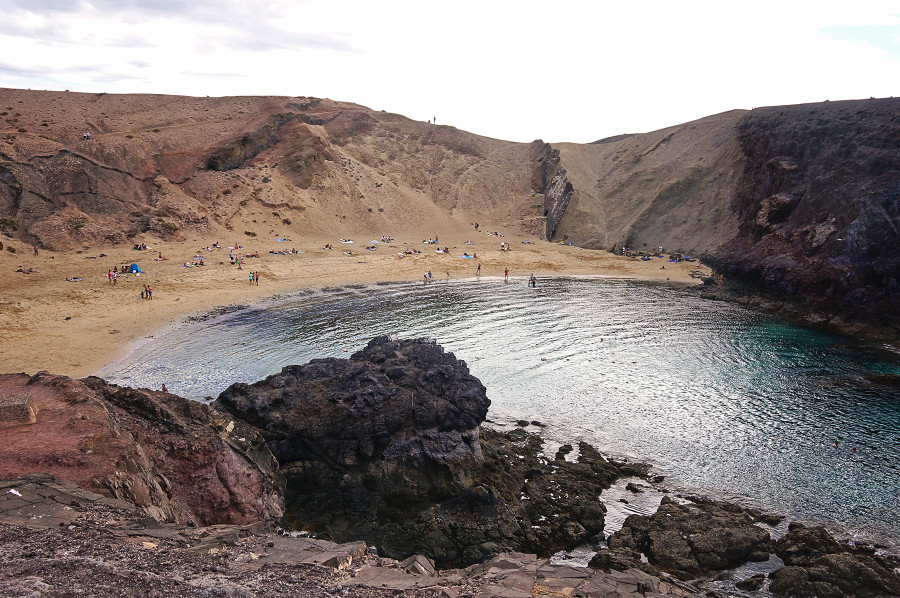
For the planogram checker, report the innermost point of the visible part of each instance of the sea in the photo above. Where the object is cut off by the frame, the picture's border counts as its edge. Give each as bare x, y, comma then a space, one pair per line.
723, 400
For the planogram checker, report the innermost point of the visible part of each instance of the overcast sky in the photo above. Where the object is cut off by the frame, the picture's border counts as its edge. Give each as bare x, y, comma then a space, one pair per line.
516, 70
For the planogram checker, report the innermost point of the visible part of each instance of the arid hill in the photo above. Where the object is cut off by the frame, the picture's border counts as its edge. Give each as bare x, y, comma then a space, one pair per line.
799, 201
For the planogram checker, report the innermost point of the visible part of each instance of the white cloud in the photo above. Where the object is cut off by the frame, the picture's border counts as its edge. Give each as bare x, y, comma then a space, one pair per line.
570, 71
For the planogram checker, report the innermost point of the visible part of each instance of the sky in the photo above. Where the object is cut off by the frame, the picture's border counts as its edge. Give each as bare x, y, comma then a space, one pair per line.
517, 70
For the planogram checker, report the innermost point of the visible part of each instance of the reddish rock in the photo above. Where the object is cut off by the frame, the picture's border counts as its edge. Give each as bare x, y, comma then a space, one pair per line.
178, 460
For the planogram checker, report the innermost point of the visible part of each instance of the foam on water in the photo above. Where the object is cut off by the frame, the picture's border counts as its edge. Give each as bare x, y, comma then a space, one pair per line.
721, 398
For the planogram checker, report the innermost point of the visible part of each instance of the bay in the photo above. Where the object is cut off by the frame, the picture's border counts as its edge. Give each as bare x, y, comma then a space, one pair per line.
722, 399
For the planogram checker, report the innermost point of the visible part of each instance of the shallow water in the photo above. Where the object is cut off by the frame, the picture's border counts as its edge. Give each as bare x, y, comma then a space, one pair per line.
723, 399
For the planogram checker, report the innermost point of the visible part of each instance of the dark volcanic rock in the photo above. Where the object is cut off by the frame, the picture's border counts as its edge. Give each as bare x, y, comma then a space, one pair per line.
551, 181
819, 203
365, 424
817, 565
386, 447
691, 539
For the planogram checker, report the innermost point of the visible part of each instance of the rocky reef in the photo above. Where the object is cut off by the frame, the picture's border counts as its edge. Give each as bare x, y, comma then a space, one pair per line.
690, 539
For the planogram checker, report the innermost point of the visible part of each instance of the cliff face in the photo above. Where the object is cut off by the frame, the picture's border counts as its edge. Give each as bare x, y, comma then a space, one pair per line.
800, 202
819, 206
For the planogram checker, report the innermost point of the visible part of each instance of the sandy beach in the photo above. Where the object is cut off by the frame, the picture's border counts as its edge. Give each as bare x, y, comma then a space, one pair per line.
63, 315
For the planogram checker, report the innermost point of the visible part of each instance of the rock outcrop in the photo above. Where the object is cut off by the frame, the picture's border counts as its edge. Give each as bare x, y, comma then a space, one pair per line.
817, 565
176, 460
551, 182
819, 204
385, 446
57, 539
689, 539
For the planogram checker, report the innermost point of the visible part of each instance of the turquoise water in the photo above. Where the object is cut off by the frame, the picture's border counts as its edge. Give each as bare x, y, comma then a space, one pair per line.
725, 400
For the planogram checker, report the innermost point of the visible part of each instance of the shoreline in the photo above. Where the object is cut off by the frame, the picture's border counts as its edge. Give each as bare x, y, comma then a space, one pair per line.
840, 528
79, 328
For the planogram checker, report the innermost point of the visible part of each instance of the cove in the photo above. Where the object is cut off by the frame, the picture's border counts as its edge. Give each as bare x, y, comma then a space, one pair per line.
724, 400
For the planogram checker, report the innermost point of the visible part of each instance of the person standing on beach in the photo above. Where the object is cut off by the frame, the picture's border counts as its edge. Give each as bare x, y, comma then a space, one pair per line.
506, 275
35, 251
478, 271
257, 279
251, 278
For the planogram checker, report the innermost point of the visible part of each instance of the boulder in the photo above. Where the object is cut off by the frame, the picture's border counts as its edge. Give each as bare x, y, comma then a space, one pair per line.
694, 538
386, 446
816, 564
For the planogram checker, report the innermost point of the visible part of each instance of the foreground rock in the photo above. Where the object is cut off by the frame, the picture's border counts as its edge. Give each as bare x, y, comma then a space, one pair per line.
60, 540
817, 565
386, 447
176, 460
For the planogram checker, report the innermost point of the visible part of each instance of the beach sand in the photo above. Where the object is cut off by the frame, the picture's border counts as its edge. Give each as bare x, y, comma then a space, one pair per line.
76, 328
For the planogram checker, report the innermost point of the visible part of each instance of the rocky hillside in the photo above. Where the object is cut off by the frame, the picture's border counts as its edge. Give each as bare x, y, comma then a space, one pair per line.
176, 460
798, 201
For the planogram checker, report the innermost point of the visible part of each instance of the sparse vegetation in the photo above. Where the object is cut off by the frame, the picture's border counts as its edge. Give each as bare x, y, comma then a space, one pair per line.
169, 225
226, 192
79, 225
286, 221
10, 249
129, 137
23, 130
136, 214
249, 233
156, 130
9, 223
